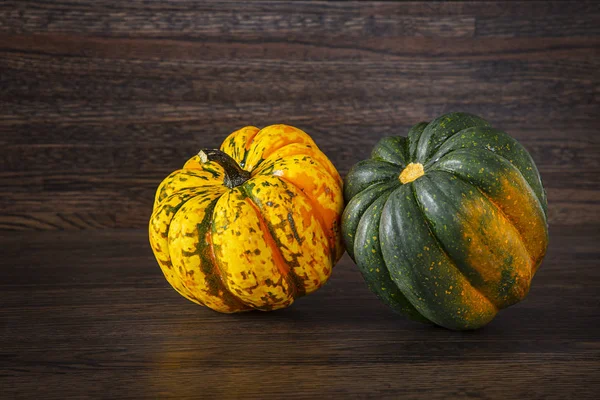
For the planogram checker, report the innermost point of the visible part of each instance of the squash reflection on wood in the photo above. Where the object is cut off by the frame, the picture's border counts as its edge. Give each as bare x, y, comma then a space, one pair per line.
253, 225
447, 225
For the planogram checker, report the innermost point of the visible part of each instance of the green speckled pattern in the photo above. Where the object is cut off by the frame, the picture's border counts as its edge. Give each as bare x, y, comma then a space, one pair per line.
459, 243
377, 275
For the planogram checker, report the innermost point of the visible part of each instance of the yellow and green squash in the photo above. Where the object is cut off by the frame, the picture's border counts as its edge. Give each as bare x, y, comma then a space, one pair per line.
253, 225
447, 225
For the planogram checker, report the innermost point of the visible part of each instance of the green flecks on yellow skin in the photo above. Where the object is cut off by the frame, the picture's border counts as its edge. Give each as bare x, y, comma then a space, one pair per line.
158, 233
271, 139
186, 179
296, 230
275, 268
195, 272
291, 154
269, 164
322, 189
249, 262
238, 143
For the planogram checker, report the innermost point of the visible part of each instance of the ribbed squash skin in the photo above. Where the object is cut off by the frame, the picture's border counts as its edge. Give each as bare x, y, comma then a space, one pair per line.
261, 244
461, 241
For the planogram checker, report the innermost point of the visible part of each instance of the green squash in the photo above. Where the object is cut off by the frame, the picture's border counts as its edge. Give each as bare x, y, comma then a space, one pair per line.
449, 224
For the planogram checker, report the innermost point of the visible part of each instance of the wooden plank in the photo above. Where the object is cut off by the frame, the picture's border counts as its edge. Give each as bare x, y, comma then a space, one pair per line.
475, 8
327, 48
100, 100
534, 26
33, 161
85, 79
259, 19
340, 111
95, 307
41, 221
92, 120
124, 206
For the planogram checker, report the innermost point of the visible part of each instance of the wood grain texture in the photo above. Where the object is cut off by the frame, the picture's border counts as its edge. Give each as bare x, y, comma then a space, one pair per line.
92, 316
100, 100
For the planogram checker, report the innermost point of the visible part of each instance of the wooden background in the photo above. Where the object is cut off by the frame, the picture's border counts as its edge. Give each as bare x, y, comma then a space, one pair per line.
99, 100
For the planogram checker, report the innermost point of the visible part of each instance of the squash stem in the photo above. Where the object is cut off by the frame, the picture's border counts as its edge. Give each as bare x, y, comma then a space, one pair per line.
411, 172
234, 174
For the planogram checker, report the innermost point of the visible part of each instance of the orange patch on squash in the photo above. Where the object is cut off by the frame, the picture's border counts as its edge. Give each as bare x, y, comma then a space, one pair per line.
278, 259
495, 250
519, 204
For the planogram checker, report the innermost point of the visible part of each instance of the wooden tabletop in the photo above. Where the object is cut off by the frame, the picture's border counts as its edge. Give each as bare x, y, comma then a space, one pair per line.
100, 100
90, 314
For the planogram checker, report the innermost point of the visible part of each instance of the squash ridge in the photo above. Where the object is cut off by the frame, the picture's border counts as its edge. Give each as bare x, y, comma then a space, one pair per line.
516, 170
432, 161
388, 194
443, 249
501, 211
258, 169
332, 250
374, 187
279, 260
167, 251
213, 259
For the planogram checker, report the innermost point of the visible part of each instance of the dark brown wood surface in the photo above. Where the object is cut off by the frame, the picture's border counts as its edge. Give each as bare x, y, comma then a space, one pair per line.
91, 315
100, 100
